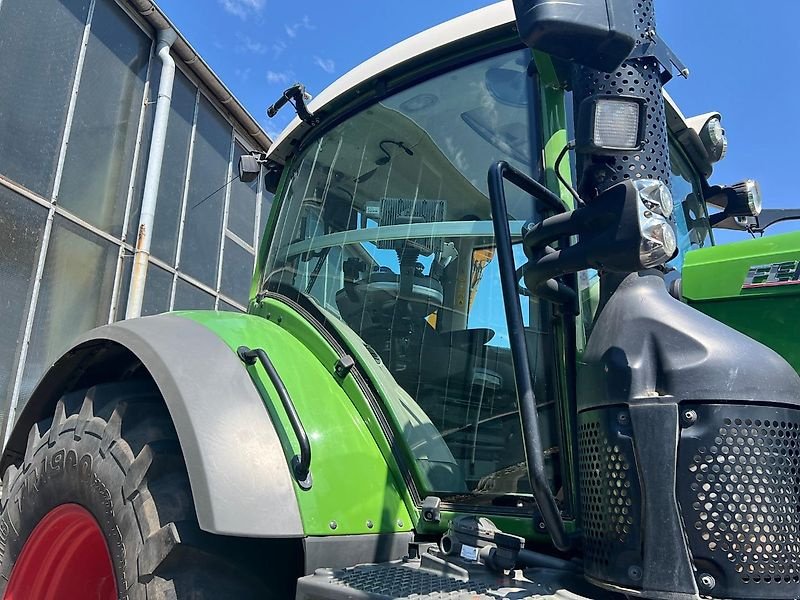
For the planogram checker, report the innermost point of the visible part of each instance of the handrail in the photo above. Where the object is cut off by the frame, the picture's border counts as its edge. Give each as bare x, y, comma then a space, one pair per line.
301, 465
534, 453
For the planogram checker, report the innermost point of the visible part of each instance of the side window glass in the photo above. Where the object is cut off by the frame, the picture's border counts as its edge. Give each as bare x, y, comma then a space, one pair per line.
691, 217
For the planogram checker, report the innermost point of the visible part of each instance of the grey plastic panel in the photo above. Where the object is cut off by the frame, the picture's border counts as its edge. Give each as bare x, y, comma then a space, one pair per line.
340, 551
237, 468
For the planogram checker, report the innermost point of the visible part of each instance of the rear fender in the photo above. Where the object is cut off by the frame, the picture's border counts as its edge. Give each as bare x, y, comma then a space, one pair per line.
237, 467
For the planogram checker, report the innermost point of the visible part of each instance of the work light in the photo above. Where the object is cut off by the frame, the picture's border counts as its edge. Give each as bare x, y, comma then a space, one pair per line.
610, 124
655, 196
741, 199
746, 199
714, 139
658, 241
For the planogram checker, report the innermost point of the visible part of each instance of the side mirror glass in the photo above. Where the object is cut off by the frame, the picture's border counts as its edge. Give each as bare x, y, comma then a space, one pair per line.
599, 34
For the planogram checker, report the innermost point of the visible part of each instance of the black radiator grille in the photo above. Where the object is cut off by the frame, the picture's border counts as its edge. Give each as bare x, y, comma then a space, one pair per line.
610, 498
741, 498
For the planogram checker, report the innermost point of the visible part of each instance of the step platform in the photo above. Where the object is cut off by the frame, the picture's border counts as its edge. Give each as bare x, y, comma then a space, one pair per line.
436, 578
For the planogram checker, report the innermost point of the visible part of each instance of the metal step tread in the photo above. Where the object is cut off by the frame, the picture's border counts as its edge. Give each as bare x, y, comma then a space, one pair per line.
405, 580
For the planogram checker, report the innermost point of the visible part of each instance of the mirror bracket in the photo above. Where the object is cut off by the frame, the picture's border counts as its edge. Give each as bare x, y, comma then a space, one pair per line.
657, 48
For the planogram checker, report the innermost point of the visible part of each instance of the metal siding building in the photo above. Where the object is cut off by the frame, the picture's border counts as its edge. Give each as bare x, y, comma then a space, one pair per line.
79, 83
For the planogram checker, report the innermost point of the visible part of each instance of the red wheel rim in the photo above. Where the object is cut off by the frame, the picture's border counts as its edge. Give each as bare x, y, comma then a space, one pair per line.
66, 558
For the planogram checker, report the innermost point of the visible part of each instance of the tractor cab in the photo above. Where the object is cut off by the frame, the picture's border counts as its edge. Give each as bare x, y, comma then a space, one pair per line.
491, 226
385, 225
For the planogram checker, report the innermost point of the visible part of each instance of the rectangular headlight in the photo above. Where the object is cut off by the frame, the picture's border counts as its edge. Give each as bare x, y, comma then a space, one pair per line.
611, 124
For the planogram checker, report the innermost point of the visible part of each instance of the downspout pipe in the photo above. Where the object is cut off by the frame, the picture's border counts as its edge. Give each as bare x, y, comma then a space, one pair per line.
166, 37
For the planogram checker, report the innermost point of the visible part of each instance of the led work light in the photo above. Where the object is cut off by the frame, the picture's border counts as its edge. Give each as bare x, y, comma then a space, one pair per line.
714, 139
611, 124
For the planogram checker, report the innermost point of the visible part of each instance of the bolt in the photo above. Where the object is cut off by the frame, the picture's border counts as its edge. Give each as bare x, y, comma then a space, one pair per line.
689, 417
370, 524
541, 526
279, 320
635, 572
707, 581
333, 524
399, 523
622, 418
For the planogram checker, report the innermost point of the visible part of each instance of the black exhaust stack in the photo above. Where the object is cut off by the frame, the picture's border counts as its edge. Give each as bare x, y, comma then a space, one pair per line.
689, 432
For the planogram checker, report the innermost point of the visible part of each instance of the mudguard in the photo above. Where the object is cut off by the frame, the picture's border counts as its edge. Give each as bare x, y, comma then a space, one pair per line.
237, 469
235, 435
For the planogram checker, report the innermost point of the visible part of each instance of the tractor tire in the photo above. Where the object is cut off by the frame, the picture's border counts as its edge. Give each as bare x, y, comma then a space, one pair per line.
108, 466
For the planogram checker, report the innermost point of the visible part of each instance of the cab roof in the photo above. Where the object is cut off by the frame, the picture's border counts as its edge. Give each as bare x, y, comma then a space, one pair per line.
483, 20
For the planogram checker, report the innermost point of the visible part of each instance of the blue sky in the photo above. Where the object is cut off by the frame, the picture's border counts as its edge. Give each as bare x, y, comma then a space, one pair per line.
734, 49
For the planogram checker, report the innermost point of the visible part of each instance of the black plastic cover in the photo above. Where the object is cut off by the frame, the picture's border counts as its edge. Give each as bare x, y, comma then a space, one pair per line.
646, 344
595, 33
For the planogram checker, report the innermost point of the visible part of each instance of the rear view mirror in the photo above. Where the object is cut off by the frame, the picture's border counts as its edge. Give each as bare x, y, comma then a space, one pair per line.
599, 34
249, 168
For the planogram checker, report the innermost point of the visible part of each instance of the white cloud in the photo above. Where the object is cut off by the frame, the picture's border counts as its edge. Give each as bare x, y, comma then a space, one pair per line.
243, 8
248, 45
275, 77
243, 74
305, 23
326, 64
278, 48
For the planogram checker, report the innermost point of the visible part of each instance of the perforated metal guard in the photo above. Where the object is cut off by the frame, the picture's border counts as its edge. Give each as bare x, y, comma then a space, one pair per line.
398, 582
610, 498
638, 77
390, 581
739, 490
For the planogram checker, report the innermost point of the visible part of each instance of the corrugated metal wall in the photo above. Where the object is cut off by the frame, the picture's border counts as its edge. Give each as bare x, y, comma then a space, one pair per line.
79, 83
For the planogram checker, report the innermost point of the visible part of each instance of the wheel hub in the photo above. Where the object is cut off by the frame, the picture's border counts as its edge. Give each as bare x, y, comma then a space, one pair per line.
66, 558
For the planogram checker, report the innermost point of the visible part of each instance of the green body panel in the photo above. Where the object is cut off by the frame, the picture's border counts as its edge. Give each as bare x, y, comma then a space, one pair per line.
554, 126
554, 138
399, 415
713, 279
352, 483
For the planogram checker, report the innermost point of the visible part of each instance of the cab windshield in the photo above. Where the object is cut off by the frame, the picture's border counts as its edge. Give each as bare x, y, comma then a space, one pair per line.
385, 224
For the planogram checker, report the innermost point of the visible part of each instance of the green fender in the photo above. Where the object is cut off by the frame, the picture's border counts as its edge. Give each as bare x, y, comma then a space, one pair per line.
355, 488
233, 430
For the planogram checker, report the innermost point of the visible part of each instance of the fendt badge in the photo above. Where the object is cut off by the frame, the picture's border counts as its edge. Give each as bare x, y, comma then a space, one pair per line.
782, 273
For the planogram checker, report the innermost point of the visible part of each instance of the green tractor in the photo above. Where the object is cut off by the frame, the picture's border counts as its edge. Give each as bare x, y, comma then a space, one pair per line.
467, 370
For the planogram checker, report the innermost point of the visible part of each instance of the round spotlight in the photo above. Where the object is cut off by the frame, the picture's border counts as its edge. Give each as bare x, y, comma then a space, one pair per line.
714, 139
748, 199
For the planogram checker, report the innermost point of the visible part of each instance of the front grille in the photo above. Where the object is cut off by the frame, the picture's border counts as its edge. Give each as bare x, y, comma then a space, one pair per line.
739, 490
610, 497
